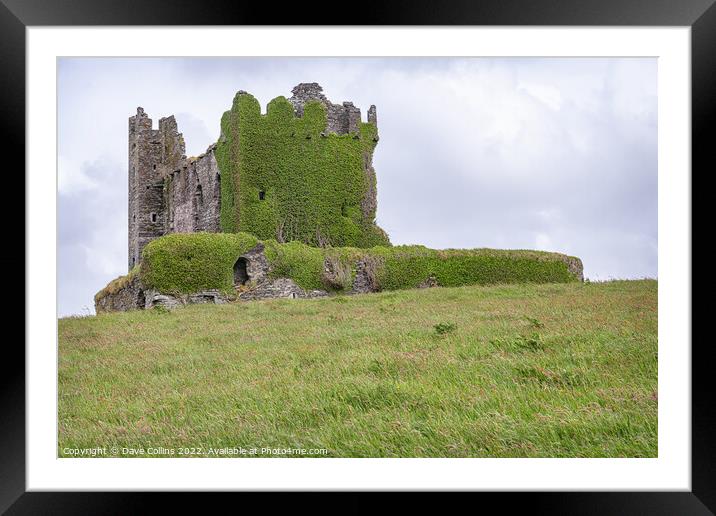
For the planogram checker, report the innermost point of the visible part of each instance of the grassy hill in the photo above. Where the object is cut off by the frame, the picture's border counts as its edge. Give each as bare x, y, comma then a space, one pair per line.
555, 370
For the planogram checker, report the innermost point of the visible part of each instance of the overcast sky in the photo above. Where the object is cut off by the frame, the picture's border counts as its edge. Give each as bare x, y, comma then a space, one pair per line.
558, 154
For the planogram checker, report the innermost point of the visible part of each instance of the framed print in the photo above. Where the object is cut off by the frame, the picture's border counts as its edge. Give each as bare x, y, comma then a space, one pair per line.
420, 250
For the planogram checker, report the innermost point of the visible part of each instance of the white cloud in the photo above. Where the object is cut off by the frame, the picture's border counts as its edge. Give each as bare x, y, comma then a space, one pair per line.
548, 95
70, 177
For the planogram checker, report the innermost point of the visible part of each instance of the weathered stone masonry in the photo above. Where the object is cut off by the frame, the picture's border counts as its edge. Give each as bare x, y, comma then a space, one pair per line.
170, 193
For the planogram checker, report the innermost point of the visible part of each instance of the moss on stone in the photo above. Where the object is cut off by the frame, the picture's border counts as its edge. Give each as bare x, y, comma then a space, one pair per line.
117, 284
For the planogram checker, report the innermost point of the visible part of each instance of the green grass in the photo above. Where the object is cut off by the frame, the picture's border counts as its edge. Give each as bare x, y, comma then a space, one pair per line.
555, 370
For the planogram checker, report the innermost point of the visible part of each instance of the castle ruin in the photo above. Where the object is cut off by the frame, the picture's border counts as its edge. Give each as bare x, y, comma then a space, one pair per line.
303, 171
282, 205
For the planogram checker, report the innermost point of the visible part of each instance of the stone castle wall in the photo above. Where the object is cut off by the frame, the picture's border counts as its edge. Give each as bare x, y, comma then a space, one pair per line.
193, 196
170, 193
145, 191
341, 118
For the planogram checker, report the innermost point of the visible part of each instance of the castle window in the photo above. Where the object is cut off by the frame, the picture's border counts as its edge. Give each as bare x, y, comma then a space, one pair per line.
262, 195
154, 167
153, 217
199, 195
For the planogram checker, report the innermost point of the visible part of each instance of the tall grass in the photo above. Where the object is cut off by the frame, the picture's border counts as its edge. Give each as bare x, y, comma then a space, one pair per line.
555, 370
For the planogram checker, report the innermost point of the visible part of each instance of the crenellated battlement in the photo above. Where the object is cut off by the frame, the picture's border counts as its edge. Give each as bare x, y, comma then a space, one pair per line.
342, 118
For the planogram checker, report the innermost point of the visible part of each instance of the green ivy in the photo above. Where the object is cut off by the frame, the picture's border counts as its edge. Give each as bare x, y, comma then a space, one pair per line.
409, 266
191, 262
182, 263
284, 178
298, 261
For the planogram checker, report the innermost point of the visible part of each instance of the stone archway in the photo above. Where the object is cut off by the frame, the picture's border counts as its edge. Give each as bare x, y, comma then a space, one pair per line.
241, 274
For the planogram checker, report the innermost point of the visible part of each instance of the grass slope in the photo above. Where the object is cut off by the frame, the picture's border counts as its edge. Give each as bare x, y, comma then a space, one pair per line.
558, 370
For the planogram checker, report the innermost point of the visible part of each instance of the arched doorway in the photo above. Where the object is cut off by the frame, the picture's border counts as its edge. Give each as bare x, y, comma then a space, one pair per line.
241, 276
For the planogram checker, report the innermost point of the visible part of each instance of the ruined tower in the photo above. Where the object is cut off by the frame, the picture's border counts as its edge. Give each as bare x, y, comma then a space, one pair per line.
303, 171
152, 152
145, 191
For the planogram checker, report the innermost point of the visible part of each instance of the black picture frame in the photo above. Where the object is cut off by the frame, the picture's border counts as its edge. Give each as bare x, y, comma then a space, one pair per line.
700, 15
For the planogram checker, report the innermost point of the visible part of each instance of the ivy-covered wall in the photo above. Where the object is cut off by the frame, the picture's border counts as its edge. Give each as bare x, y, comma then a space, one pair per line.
287, 178
405, 267
182, 263
193, 262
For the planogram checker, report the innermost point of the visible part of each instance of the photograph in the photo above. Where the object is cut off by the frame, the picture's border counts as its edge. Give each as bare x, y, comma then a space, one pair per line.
357, 257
